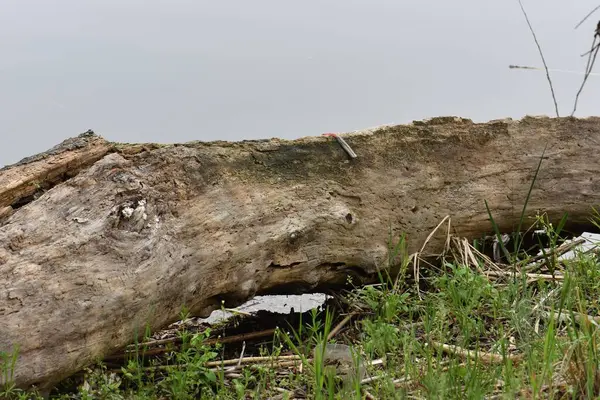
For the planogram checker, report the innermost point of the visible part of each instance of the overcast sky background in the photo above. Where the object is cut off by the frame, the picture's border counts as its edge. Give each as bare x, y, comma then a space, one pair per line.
180, 70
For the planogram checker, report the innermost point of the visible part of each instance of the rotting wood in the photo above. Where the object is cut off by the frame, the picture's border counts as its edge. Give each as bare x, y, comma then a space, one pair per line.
19, 183
124, 235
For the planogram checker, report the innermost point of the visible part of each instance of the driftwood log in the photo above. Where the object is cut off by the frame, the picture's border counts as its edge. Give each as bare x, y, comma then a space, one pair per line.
98, 239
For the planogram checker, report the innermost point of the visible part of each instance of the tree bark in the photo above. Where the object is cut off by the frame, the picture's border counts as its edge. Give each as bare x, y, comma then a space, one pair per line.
100, 239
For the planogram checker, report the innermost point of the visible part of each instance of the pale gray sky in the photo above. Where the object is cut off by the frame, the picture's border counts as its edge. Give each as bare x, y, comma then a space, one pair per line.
181, 70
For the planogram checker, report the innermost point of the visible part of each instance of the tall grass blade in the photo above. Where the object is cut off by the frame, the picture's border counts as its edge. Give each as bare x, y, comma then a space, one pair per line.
518, 240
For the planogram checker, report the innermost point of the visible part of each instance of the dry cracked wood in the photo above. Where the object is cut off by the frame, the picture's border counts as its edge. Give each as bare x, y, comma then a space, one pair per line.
28, 178
139, 231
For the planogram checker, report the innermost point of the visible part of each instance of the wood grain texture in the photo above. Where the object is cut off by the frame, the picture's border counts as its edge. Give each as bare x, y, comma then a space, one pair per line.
140, 230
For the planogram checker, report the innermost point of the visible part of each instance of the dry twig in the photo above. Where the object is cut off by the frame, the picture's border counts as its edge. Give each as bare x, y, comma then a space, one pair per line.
542, 57
557, 252
485, 357
530, 277
177, 340
416, 257
250, 360
587, 16
339, 326
590, 64
240, 360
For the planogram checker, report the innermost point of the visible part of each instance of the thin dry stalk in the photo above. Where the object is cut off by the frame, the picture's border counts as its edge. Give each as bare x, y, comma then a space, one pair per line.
371, 379
273, 362
240, 360
235, 311
379, 361
416, 256
471, 256
537, 43
533, 265
177, 340
241, 337
530, 277
368, 395
242, 354
487, 261
549, 69
565, 317
251, 360
280, 364
339, 326
485, 357
465, 256
589, 66
587, 16
404, 383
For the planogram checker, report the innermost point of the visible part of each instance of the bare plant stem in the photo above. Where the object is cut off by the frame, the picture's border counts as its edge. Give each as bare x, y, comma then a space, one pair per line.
537, 43
587, 16
588, 68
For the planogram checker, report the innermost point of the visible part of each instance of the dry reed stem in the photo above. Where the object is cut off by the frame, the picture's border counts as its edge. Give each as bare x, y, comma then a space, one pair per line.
470, 255
368, 395
239, 360
250, 360
339, 326
416, 256
176, 340
533, 265
485, 357
530, 276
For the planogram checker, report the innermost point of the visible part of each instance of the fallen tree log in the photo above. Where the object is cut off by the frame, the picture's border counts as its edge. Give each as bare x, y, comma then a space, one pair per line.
101, 239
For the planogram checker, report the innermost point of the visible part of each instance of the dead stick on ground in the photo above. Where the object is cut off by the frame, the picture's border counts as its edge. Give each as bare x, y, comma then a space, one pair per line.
534, 277
339, 326
250, 360
565, 316
487, 358
242, 354
209, 342
281, 361
416, 257
541, 56
403, 383
279, 364
371, 379
241, 358
474, 252
556, 252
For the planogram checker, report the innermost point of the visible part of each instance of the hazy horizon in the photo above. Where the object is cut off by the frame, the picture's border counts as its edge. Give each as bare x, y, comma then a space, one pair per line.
175, 71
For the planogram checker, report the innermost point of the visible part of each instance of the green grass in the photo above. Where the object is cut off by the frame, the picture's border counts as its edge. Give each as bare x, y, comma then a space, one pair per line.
472, 331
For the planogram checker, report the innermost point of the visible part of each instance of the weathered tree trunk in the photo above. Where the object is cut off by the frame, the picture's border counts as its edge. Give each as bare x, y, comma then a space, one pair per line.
106, 238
